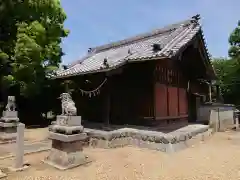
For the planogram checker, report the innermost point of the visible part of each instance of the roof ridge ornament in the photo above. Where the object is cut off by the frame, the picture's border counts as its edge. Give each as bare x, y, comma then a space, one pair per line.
129, 51
105, 63
196, 18
91, 50
157, 47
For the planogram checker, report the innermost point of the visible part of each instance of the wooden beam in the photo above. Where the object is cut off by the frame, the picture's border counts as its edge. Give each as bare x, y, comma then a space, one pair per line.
115, 71
168, 117
172, 117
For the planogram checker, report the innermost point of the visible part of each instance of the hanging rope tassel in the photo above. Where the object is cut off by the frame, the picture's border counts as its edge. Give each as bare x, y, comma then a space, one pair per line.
93, 92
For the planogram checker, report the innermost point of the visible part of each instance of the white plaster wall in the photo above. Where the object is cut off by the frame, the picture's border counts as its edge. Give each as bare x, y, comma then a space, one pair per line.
219, 117
204, 113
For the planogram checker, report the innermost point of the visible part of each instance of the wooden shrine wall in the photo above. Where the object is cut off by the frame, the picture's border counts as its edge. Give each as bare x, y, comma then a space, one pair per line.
170, 92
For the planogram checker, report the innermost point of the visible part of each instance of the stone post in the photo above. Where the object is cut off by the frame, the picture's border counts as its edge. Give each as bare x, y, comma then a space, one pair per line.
20, 146
237, 122
19, 154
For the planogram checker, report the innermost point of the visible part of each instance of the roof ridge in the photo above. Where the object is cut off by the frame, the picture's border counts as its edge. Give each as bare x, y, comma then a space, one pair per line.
155, 32
142, 36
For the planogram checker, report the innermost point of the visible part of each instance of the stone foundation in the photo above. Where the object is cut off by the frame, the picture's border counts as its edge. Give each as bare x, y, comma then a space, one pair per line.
66, 151
154, 140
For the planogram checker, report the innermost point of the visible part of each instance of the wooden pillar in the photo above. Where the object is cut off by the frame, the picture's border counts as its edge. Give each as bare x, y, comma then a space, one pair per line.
210, 92
108, 108
168, 110
107, 104
178, 98
155, 79
108, 97
178, 94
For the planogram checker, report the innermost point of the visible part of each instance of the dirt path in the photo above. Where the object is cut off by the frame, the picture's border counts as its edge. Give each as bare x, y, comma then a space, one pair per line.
38, 134
35, 139
216, 159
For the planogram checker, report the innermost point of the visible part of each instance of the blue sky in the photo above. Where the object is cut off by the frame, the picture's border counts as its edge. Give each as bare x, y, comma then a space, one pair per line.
96, 22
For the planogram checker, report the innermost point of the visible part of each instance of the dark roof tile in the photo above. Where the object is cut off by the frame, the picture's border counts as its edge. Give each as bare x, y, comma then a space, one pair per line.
171, 38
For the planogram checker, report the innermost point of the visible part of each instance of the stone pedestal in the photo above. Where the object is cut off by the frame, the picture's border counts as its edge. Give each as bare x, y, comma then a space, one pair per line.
8, 125
67, 144
67, 125
64, 120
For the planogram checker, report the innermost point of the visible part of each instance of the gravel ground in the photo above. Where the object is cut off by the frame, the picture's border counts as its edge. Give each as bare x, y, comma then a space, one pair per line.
216, 159
38, 134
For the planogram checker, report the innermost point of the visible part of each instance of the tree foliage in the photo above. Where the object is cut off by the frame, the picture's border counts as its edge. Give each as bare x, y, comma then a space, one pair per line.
227, 73
234, 40
228, 70
30, 36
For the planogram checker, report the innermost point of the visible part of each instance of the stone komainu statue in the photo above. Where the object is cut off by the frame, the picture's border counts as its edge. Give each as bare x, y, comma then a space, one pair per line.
68, 106
11, 105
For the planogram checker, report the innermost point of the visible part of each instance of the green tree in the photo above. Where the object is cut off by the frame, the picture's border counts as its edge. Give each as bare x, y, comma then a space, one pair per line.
228, 70
234, 40
31, 33
228, 79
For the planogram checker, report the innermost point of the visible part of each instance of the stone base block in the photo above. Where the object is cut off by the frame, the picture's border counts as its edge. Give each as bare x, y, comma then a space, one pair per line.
24, 167
66, 129
10, 117
10, 120
66, 155
10, 114
8, 136
2, 175
8, 126
69, 120
67, 138
8, 131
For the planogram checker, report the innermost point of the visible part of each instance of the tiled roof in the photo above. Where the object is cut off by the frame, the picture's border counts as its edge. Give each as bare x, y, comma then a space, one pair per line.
171, 39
